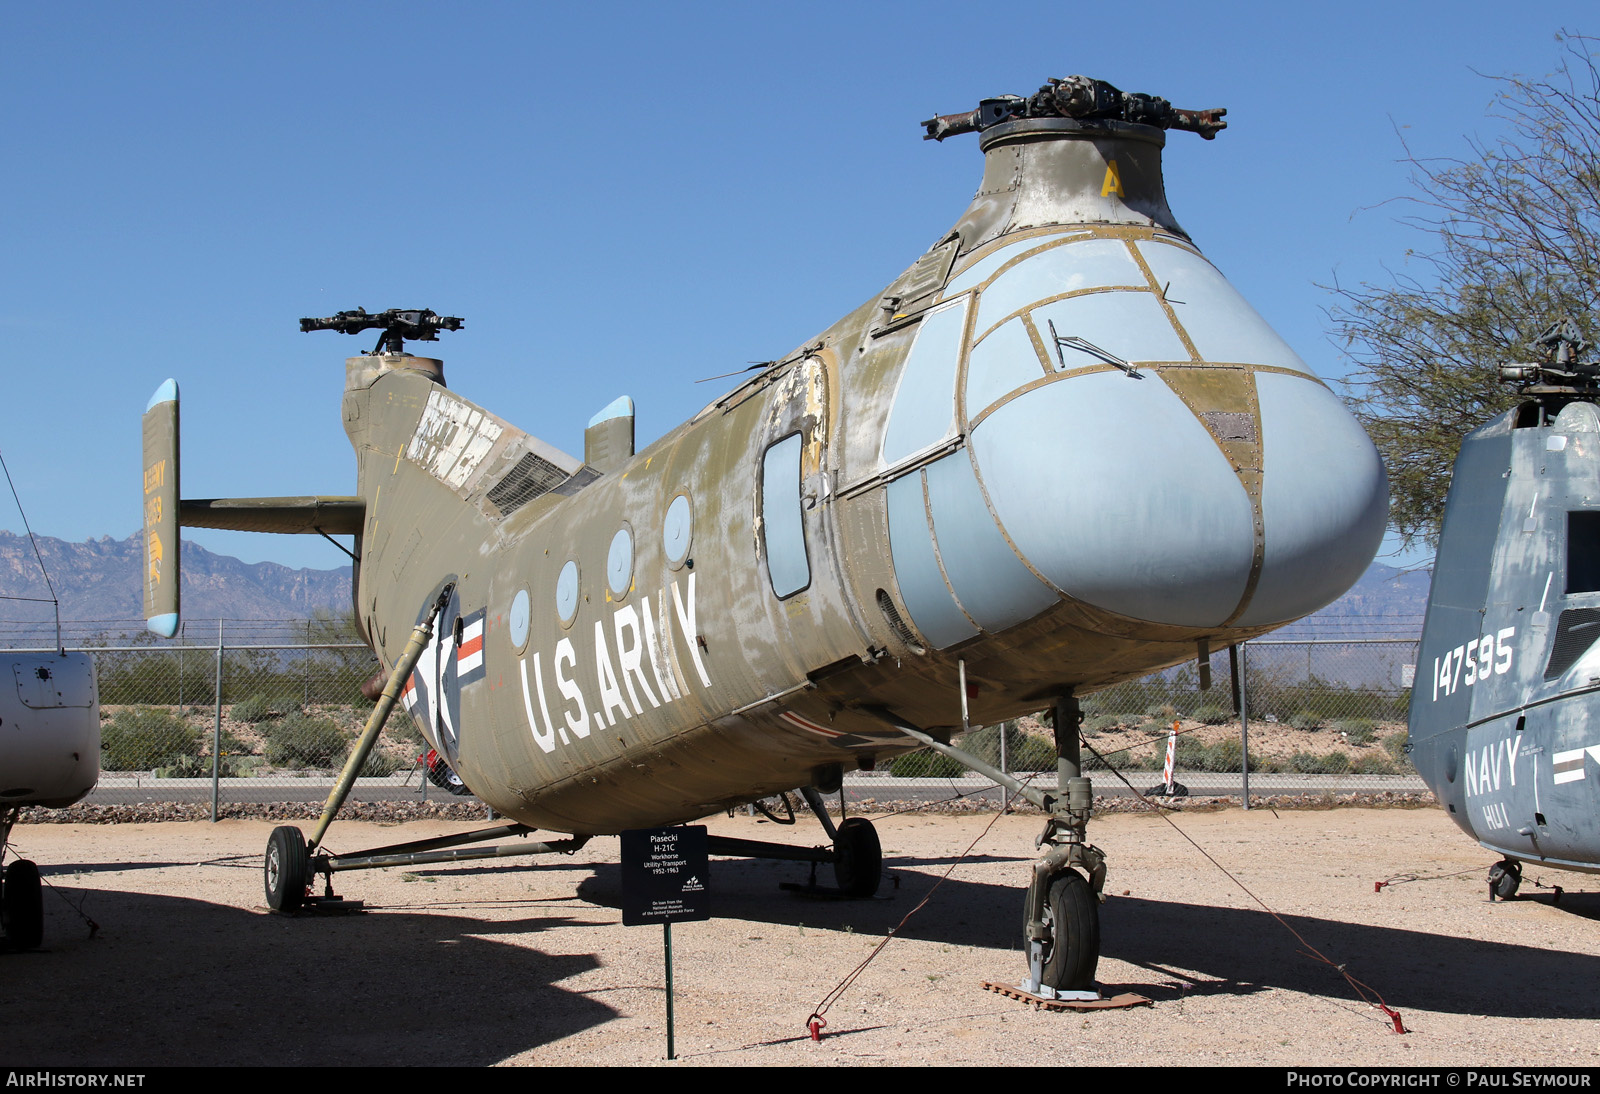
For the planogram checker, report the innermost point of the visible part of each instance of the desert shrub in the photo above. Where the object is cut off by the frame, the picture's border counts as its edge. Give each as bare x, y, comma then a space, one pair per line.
1373, 763
1305, 763
1119, 760
1101, 723
1195, 755
1308, 720
186, 767
925, 764
300, 740
1212, 715
257, 708
145, 738
1225, 755
1024, 751
1358, 731
400, 728
1329, 763
233, 745
1395, 745
381, 764
1033, 754
984, 742
1192, 754
1161, 712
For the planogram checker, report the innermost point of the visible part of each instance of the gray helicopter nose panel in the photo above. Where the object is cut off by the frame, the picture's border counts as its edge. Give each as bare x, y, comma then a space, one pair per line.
1324, 499
988, 579
916, 567
1142, 514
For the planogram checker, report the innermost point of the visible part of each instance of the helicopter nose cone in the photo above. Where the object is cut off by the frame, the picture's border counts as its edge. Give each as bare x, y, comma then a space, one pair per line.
1118, 494
1324, 500
1113, 491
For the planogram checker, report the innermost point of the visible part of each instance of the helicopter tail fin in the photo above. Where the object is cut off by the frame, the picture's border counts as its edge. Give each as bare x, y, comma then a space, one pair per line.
165, 513
161, 510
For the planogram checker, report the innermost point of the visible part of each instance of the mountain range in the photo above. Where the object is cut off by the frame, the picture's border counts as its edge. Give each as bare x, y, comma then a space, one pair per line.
98, 582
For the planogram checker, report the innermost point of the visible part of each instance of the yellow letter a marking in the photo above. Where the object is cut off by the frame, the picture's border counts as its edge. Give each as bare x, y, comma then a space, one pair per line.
1113, 183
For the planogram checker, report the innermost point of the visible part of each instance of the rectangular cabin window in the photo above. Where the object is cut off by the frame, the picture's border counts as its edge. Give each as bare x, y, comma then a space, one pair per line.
1583, 551
782, 527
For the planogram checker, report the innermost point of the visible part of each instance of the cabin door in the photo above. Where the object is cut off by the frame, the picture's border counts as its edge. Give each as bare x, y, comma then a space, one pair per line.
795, 543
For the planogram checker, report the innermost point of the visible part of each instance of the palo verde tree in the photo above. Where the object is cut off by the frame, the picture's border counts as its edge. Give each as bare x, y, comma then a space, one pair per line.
1513, 245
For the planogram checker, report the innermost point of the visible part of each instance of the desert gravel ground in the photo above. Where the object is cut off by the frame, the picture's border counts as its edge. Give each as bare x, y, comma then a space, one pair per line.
502, 963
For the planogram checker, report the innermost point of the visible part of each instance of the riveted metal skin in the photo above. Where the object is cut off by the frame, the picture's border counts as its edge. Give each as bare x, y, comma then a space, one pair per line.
1027, 506
1059, 448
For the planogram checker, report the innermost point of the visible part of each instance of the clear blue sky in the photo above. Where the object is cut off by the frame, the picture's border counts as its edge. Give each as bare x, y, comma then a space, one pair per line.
619, 198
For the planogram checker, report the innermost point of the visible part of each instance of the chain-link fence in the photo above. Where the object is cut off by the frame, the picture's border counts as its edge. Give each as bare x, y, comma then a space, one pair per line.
1307, 715
252, 711
269, 711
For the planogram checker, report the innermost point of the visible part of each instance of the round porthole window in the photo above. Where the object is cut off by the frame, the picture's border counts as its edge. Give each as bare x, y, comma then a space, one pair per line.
567, 593
677, 530
619, 563
518, 620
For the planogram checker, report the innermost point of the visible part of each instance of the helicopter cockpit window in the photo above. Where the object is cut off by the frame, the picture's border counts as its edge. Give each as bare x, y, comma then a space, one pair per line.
984, 269
1000, 364
924, 404
782, 525
1071, 267
1583, 551
1220, 322
1129, 326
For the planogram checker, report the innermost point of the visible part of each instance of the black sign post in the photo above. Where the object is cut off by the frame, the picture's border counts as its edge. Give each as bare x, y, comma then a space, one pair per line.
665, 880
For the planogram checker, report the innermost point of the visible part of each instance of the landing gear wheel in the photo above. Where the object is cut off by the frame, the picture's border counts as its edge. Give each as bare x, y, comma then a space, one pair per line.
22, 906
441, 775
1505, 877
857, 858
1072, 916
287, 870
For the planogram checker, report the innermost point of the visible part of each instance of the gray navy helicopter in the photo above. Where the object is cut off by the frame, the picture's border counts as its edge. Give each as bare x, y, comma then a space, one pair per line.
1509, 670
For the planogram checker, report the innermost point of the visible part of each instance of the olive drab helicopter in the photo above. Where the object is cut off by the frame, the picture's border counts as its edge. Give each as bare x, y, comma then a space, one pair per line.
1508, 674
1057, 452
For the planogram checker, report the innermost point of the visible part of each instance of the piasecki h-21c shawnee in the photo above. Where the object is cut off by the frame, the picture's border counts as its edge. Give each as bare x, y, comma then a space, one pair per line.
1509, 671
1057, 452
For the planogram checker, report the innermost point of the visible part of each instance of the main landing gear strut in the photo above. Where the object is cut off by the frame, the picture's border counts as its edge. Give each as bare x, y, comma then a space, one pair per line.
293, 862
1061, 915
856, 854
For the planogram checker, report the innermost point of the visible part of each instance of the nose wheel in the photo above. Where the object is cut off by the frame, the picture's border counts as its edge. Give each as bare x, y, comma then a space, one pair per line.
1071, 952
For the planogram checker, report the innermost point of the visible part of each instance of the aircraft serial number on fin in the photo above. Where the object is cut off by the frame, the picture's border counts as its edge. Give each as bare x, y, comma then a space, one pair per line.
1486, 656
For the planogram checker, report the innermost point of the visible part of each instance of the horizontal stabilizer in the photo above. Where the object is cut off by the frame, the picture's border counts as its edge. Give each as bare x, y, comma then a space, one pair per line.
334, 516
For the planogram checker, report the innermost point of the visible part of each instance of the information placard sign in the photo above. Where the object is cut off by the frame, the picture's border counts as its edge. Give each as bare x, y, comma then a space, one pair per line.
665, 875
